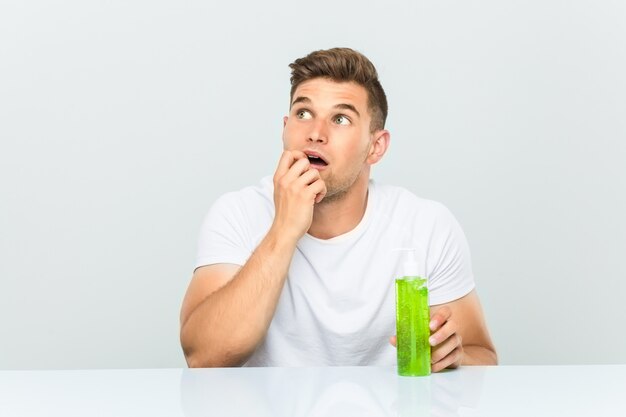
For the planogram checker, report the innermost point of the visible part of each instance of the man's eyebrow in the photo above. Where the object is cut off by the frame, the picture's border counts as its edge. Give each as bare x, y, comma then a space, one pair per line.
348, 107
301, 99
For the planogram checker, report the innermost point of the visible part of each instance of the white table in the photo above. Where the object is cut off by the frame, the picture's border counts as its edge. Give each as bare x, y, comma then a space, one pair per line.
504, 391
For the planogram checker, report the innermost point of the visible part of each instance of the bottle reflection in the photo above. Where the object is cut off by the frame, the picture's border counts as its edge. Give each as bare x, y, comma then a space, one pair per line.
326, 392
413, 396
441, 395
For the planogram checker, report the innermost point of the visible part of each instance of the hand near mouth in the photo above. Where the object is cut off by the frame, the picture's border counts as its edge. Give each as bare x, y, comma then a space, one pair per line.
298, 186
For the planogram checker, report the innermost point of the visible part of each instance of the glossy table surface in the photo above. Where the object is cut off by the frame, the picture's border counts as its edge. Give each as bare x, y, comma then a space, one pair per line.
594, 390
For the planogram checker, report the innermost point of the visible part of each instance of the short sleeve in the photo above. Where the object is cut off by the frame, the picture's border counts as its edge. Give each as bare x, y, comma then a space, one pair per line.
225, 233
449, 262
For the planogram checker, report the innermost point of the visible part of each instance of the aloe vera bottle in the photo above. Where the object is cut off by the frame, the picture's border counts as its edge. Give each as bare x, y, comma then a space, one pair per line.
412, 319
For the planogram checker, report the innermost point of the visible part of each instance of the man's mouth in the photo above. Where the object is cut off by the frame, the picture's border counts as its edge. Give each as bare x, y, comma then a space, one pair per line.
316, 159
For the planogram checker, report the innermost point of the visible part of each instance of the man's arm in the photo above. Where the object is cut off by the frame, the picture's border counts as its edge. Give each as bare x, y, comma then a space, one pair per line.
227, 310
459, 334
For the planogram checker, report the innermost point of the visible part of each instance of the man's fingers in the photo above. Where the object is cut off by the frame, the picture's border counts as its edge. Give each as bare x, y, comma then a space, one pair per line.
442, 334
320, 197
314, 183
394, 341
453, 360
284, 163
298, 168
308, 177
439, 352
439, 318
319, 187
286, 160
321, 191
447, 345
294, 166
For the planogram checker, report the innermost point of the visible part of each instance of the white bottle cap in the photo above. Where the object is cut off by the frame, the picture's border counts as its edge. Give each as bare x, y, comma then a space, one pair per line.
408, 267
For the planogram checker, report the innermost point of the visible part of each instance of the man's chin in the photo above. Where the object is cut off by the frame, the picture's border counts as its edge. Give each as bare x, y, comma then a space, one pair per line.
332, 196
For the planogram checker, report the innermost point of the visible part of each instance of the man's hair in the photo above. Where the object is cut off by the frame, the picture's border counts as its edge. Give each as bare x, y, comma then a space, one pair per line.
343, 65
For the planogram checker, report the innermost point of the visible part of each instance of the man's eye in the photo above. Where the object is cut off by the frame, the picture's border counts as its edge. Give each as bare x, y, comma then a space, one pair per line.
342, 120
303, 114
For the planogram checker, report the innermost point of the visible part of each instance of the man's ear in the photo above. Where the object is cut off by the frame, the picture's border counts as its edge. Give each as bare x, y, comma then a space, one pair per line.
380, 143
283, 134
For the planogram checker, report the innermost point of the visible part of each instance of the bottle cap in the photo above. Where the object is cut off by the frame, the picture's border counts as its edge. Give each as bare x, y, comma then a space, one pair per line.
408, 267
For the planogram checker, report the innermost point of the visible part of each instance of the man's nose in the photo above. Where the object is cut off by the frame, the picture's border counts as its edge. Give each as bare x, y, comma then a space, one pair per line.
318, 133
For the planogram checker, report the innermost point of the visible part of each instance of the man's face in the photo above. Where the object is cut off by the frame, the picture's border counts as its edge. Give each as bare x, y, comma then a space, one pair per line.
331, 121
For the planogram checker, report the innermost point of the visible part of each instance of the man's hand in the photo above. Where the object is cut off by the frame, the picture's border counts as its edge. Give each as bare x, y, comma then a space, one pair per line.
297, 187
447, 346
459, 335
447, 349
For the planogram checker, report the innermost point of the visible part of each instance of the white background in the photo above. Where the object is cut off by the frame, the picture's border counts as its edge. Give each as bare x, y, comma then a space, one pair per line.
121, 122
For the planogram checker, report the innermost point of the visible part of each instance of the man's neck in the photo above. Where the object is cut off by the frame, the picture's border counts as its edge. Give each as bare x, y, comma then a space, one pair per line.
340, 216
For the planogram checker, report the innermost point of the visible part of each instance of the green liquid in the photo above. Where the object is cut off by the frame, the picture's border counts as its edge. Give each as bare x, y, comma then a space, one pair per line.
412, 318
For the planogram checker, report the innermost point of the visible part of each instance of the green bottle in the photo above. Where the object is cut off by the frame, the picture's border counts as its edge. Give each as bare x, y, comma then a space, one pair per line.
412, 319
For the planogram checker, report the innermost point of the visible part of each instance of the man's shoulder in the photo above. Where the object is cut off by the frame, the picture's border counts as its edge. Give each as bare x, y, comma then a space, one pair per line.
260, 193
394, 197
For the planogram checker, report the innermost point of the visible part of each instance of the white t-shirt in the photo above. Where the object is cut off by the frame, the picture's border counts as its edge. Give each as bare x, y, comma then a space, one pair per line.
338, 303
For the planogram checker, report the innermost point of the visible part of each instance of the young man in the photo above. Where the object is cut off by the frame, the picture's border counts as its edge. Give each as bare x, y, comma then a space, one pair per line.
299, 270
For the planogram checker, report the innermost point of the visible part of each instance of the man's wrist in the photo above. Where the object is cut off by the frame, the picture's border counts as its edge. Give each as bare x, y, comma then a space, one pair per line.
279, 239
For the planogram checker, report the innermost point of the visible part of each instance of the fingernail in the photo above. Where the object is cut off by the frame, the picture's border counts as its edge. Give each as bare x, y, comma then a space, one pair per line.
432, 340
432, 325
